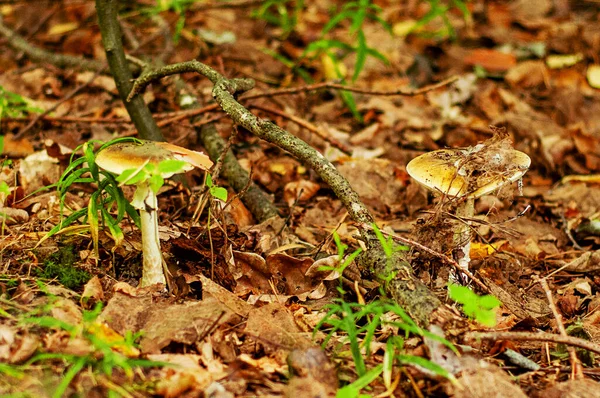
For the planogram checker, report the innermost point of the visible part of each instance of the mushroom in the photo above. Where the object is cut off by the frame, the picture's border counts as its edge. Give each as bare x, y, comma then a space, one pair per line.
467, 174
135, 156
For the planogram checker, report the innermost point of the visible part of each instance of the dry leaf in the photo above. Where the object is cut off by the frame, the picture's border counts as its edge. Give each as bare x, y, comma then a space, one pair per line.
92, 293
563, 61
300, 190
491, 60
593, 76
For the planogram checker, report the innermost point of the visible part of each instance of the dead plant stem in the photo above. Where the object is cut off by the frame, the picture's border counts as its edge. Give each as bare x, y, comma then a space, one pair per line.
533, 336
577, 370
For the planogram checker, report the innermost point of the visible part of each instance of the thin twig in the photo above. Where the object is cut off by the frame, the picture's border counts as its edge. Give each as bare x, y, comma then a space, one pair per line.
307, 125
58, 103
187, 114
226, 4
577, 370
179, 115
531, 336
19, 43
337, 86
441, 256
68, 119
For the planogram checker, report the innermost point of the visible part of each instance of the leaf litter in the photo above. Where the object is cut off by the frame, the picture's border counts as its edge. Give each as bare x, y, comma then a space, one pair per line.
248, 295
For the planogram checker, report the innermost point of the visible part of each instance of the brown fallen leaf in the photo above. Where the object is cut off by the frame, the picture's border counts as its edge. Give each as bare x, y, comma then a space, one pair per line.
300, 190
273, 327
375, 182
38, 170
491, 60
92, 293
484, 380
587, 262
577, 388
185, 377
528, 74
16, 148
16, 346
12, 216
164, 322
313, 375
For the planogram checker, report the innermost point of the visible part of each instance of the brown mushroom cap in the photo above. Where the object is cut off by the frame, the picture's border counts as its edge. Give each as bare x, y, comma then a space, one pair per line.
132, 155
444, 171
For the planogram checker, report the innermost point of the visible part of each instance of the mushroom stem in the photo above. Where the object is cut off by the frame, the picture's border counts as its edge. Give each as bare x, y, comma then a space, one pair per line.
145, 200
462, 234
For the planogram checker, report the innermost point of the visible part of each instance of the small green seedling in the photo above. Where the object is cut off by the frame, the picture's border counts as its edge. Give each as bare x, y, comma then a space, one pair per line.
344, 261
214, 190
15, 105
390, 247
180, 7
108, 196
108, 350
282, 13
440, 9
480, 308
361, 323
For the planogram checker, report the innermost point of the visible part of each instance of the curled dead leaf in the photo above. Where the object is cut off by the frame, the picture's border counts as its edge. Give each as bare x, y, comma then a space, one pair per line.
300, 190
92, 293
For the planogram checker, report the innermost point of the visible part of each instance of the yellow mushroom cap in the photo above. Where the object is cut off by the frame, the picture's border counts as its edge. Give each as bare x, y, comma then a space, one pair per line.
444, 171
132, 155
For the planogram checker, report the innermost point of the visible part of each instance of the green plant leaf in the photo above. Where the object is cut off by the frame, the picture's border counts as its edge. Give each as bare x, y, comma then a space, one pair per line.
480, 308
93, 221
171, 166
132, 176
219, 193
361, 55
353, 390
156, 182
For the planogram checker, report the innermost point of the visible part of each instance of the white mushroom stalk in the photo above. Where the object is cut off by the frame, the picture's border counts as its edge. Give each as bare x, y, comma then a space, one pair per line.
146, 201
140, 162
466, 175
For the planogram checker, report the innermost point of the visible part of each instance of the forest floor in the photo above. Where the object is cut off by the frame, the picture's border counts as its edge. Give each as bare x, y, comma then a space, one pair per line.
247, 293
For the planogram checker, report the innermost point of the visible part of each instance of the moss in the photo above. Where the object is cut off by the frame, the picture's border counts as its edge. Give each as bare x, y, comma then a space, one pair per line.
60, 266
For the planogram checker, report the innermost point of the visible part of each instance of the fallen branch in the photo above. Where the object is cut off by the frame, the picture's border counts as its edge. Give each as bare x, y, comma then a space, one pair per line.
37, 54
531, 336
307, 125
404, 287
119, 68
223, 92
67, 97
254, 198
577, 369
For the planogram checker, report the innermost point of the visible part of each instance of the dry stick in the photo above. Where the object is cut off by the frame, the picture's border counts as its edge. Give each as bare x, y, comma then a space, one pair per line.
307, 125
577, 370
441, 256
187, 114
318, 86
405, 288
58, 103
226, 4
68, 119
119, 67
531, 336
336, 86
255, 199
37, 54
223, 92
